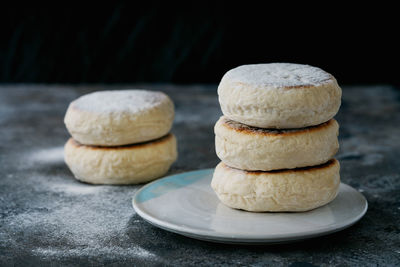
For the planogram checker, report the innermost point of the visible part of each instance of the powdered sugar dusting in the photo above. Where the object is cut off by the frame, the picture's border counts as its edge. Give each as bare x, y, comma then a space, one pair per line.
47, 155
278, 75
120, 100
94, 251
75, 189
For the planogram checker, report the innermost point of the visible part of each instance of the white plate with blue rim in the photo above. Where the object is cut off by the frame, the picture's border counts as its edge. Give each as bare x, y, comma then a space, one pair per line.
186, 204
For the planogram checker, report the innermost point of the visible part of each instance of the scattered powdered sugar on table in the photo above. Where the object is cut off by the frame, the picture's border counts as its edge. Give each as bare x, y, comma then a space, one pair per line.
278, 75
76, 189
80, 220
103, 251
120, 100
47, 155
81, 231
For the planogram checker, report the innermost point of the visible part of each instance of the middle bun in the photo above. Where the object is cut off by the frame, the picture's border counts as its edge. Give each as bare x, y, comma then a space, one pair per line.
249, 148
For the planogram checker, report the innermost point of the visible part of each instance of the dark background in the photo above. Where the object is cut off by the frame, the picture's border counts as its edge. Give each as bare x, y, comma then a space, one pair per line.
194, 43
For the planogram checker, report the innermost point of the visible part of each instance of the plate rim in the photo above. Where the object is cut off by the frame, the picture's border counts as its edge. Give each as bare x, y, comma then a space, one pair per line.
238, 238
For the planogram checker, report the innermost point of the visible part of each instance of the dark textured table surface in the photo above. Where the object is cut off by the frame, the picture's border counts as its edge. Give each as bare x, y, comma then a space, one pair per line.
47, 217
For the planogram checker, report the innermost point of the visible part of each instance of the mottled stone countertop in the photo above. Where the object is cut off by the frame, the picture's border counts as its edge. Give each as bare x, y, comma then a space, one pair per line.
48, 218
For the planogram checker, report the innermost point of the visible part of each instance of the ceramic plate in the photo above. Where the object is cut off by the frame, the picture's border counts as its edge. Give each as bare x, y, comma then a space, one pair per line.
186, 204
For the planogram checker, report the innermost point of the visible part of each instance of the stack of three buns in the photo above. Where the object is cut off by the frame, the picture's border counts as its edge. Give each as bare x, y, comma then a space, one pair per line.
120, 137
277, 138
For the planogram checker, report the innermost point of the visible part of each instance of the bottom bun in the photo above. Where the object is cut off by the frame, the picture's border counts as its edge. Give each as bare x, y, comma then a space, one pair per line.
292, 190
130, 164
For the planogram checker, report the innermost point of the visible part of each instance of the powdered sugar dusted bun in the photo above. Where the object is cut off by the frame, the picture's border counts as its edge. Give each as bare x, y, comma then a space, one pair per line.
279, 95
112, 118
129, 164
249, 148
286, 190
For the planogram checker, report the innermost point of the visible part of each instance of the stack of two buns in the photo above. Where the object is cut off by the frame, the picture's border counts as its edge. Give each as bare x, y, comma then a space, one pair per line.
120, 137
277, 138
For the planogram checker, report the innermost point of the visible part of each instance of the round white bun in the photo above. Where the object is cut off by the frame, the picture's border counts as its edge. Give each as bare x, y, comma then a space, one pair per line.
130, 164
279, 95
113, 118
249, 148
277, 191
